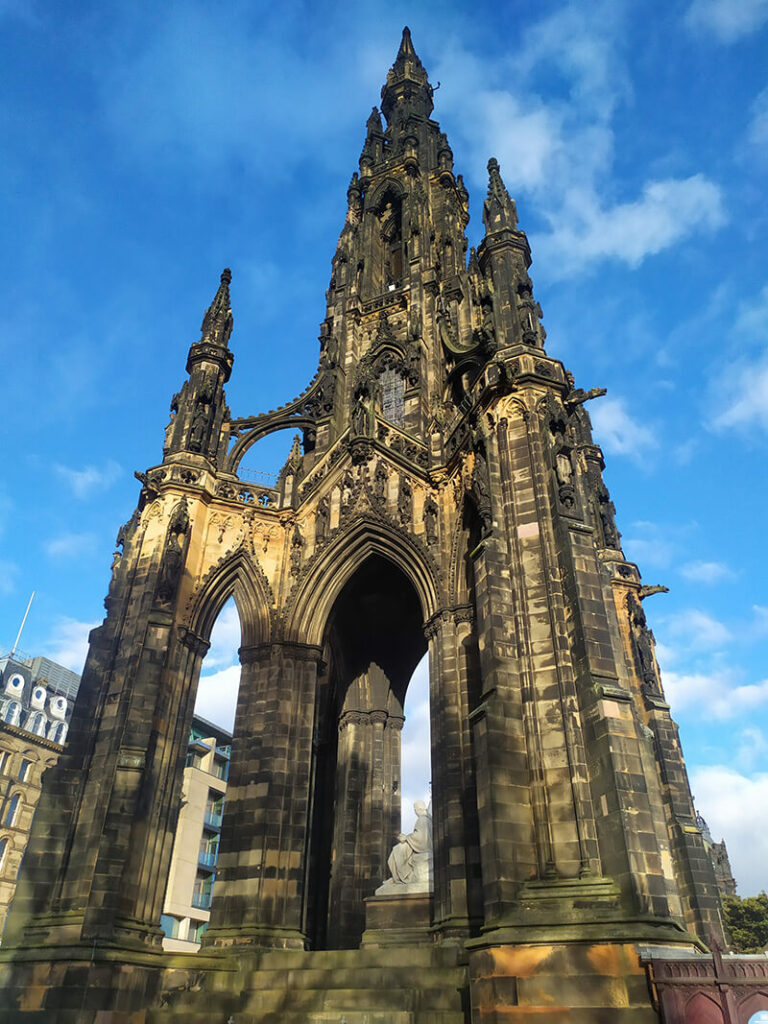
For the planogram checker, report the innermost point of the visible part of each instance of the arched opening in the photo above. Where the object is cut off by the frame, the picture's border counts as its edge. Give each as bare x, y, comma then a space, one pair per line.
373, 641
191, 886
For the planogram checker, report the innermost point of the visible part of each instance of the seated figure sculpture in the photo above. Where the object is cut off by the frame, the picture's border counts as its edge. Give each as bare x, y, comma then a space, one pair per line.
410, 862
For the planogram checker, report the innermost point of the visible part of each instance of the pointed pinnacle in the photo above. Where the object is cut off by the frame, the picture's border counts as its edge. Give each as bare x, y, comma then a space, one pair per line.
217, 322
407, 54
499, 211
373, 124
406, 44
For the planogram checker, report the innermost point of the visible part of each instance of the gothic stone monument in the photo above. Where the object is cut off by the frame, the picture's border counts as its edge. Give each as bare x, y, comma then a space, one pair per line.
446, 496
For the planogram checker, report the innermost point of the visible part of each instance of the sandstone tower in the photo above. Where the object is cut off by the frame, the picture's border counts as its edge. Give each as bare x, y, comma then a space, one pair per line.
447, 496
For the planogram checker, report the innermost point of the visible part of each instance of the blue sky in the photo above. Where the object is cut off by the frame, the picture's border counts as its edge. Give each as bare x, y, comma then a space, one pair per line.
146, 146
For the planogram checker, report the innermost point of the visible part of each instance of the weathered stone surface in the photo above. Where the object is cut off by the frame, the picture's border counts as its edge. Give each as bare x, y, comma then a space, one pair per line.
447, 498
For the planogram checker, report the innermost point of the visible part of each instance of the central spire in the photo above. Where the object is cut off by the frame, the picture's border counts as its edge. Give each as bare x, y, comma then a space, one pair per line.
407, 83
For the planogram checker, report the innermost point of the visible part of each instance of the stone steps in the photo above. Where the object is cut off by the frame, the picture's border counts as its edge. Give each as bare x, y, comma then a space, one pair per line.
417, 985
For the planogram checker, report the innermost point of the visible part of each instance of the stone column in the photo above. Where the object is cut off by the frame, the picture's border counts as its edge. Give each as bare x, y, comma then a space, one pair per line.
457, 896
260, 896
112, 805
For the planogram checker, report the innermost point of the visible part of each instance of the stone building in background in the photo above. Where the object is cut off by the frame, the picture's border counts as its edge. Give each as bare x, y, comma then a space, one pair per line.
36, 700
718, 854
445, 494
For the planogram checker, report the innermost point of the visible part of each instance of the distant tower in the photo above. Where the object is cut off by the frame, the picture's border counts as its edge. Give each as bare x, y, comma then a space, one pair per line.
721, 864
447, 497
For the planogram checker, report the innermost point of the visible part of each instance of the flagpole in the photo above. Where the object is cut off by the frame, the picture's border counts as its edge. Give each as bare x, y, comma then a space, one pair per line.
21, 627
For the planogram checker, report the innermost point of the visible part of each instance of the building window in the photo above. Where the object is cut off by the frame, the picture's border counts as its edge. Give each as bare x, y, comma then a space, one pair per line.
221, 769
11, 811
3, 851
196, 930
209, 849
15, 684
4, 759
12, 712
58, 732
36, 723
392, 397
202, 893
24, 770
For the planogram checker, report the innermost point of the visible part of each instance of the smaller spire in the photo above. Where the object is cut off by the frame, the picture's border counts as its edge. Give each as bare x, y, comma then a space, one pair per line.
499, 211
217, 322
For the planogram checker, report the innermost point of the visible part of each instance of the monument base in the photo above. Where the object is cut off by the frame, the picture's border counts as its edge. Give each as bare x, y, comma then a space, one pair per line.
394, 919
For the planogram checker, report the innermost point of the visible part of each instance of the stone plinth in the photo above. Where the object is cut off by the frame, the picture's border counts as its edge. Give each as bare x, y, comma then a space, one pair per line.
397, 919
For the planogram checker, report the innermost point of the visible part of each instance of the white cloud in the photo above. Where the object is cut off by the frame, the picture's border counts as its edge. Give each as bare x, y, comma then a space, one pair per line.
760, 624
84, 481
225, 639
735, 806
416, 768
617, 431
697, 629
706, 572
666, 212
714, 695
727, 20
746, 406
217, 697
70, 545
68, 644
752, 749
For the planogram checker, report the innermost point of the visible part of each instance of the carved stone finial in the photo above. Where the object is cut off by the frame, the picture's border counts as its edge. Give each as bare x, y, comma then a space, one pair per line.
217, 322
499, 210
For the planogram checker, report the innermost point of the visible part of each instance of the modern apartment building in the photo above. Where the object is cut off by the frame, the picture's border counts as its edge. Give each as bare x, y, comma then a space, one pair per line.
191, 879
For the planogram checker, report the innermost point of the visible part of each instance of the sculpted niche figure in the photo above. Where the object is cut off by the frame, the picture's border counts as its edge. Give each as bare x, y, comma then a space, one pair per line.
410, 862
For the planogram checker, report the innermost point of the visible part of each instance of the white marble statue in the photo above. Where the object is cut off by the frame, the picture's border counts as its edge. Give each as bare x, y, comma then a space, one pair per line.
410, 862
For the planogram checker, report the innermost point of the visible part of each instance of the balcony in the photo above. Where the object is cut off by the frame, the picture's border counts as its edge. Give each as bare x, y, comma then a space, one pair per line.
201, 900
208, 857
213, 818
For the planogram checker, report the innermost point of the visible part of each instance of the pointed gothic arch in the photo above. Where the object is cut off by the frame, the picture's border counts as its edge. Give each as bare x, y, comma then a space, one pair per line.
238, 576
335, 564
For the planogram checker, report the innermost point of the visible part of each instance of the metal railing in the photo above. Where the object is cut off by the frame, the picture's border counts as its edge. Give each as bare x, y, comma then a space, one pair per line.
213, 818
202, 900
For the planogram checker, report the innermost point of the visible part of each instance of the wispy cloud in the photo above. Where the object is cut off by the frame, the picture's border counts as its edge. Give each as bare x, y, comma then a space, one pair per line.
67, 546
697, 629
706, 572
746, 401
68, 644
757, 133
651, 545
727, 20
83, 482
618, 432
665, 213
9, 573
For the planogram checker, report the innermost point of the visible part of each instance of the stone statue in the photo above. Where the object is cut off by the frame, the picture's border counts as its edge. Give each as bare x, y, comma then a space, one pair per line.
410, 862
